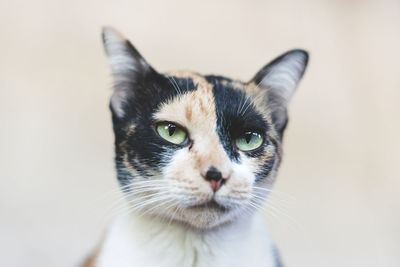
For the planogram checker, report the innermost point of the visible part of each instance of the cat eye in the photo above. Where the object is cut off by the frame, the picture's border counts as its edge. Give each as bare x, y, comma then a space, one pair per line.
171, 132
249, 141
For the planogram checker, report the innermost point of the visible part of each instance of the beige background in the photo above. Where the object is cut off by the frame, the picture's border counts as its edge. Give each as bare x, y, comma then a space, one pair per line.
341, 165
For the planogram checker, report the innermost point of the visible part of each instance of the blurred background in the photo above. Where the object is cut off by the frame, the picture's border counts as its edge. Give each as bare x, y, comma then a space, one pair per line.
340, 179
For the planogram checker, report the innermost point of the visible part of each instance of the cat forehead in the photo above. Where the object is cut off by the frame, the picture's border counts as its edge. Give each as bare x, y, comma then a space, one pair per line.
200, 98
194, 108
210, 80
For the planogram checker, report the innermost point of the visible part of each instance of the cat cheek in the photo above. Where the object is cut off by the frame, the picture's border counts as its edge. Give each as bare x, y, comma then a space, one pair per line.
240, 182
248, 167
183, 175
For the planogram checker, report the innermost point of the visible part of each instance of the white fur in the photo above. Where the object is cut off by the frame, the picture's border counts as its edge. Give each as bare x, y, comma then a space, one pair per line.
147, 242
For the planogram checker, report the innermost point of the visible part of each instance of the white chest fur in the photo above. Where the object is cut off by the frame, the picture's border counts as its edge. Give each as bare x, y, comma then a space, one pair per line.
133, 241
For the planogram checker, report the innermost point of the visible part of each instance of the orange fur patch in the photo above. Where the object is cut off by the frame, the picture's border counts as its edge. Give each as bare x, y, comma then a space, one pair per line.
196, 112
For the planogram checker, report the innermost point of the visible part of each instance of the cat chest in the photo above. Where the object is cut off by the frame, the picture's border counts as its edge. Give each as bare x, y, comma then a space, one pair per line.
128, 246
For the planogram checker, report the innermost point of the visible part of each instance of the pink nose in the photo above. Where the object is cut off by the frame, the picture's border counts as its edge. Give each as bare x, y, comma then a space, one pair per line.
214, 176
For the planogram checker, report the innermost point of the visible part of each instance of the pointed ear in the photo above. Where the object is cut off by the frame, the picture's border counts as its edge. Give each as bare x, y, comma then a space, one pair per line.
280, 78
127, 65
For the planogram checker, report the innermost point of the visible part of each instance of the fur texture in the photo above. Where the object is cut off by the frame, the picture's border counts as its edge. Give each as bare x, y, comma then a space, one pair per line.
178, 217
139, 241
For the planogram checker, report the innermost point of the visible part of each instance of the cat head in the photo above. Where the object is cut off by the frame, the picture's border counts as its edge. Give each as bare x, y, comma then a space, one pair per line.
197, 149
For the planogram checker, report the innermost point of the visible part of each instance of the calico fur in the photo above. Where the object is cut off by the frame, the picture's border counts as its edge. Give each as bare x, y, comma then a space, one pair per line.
177, 218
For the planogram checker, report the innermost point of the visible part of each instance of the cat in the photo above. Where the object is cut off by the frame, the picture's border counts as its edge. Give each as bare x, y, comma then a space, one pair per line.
196, 157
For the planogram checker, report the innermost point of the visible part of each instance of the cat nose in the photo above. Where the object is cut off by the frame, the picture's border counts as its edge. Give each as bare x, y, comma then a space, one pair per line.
214, 176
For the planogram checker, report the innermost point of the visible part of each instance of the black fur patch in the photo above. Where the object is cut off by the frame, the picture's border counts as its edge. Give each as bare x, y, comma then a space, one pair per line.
144, 147
236, 114
265, 169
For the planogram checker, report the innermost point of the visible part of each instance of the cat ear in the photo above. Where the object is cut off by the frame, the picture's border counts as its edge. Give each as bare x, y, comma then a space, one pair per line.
127, 65
280, 78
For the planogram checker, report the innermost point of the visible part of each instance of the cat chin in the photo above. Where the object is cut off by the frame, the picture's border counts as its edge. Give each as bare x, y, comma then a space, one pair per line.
210, 206
205, 216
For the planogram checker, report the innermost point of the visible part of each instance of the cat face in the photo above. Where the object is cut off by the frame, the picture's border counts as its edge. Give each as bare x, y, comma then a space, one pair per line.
201, 150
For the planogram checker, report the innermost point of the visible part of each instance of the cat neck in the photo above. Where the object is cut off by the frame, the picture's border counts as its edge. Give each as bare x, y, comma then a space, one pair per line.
145, 241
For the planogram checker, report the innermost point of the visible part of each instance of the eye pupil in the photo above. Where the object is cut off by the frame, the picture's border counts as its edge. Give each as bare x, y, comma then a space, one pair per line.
171, 133
247, 137
171, 129
249, 141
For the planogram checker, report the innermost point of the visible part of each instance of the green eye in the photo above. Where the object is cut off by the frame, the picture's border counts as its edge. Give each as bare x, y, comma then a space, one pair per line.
249, 141
171, 133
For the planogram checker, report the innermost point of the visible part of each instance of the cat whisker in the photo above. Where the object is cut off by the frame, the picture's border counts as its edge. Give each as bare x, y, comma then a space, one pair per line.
144, 182
275, 192
140, 197
276, 213
147, 197
274, 198
289, 220
157, 197
163, 201
270, 203
176, 210
147, 189
139, 206
262, 208
116, 207
175, 85
127, 194
162, 205
129, 191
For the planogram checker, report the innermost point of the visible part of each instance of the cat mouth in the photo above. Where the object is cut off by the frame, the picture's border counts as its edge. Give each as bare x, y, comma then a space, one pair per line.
211, 205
